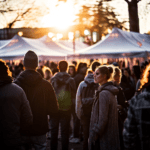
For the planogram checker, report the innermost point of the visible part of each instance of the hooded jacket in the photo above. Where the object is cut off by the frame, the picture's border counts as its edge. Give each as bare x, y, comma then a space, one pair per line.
104, 118
89, 79
136, 133
65, 88
42, 100
15, 112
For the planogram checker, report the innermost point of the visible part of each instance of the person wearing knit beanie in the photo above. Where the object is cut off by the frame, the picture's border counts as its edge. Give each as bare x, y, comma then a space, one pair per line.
42, 100
31, 60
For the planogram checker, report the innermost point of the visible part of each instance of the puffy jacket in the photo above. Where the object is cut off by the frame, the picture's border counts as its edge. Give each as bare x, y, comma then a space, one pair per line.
15, 112
42, 100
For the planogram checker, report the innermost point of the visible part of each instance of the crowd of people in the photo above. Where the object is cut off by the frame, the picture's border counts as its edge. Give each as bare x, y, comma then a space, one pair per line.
108, 106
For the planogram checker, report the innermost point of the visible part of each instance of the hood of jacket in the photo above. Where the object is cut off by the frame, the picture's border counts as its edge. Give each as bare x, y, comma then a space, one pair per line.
89, 78
5, 80
29, 78
110, 87
61, 77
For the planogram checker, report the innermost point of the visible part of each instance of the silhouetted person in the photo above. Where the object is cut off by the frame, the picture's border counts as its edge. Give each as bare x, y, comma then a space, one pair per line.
127, 84
64, 86
15, 112
42, 100
136, 133
122, 105
84, 100
72, 71
48, 74
81, 72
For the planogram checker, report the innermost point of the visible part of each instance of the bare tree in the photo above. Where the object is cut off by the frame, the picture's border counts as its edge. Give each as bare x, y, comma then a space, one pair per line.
12, 12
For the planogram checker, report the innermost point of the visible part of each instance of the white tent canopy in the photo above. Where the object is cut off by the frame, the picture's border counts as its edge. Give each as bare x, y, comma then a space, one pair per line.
118, 44
45, 48
18, 46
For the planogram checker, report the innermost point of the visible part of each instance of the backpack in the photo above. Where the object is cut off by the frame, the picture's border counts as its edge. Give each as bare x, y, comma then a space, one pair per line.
63, 94
87, 98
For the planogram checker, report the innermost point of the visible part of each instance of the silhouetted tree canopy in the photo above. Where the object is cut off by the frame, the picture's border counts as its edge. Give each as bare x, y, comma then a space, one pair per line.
97, 18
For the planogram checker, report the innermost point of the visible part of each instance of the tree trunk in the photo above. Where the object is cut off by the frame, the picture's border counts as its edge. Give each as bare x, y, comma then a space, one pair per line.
133, 16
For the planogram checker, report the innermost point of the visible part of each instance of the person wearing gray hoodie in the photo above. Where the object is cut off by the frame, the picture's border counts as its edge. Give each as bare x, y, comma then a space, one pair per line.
64, 86
84, 100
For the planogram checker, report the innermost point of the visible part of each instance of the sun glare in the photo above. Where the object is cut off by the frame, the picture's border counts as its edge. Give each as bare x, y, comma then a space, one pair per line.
61, 16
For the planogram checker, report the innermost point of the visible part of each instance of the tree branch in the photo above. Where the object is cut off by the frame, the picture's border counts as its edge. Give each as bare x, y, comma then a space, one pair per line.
127, 1
138, 1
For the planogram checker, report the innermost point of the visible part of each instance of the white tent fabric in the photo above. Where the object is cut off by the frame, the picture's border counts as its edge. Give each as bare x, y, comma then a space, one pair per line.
18, 46
4, 43
55, 46
69, 44
118, 44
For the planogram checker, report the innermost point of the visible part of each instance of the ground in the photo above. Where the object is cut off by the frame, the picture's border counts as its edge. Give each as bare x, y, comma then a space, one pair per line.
71, 146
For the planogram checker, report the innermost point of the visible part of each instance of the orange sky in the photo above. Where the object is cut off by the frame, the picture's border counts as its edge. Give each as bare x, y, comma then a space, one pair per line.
62, 15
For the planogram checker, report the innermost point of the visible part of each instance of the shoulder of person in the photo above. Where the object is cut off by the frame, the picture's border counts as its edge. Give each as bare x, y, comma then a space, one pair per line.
82, 84
144, 96
45, 82
17, 90
16, 87
71, 79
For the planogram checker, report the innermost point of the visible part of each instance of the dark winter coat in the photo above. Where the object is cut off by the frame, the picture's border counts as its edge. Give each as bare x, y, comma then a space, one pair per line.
136, 132
15, 112
42, 100
64, 87
79, 78
128, 86
104, 118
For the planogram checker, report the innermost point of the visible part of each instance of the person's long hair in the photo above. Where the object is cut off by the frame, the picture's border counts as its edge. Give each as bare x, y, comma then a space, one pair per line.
4, 69
145, 81
117, 72
74, 70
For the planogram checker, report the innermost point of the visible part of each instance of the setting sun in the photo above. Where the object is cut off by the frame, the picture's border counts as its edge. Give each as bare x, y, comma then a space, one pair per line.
61, 16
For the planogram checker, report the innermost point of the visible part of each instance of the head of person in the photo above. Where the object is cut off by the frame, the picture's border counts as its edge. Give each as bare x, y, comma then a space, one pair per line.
136, 71
30, 60
75, 63
4, 69
48, 74
82, 68
126, 72
63, 65
72, 70
145, 81
103, 74
115, 64
89, 71
94, 65
117, 75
